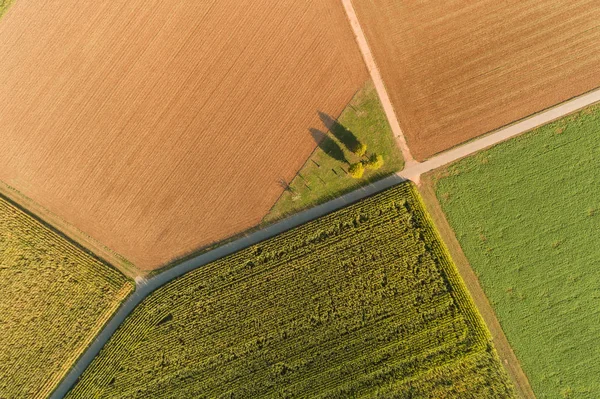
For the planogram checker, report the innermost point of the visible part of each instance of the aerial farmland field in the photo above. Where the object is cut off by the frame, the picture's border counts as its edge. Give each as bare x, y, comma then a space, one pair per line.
458, 69
362, 301
527, 215
159, 127
54, 299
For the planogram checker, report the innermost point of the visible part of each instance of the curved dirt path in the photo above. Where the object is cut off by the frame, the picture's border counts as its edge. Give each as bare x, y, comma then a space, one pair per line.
378, 81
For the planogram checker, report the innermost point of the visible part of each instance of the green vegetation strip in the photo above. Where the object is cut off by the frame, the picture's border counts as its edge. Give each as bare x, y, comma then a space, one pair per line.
55, 299
360, 302
527, 214
4, 4
325, 174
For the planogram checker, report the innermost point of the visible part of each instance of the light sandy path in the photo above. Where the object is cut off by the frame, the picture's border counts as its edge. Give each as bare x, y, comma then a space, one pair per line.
378, 81
414, 171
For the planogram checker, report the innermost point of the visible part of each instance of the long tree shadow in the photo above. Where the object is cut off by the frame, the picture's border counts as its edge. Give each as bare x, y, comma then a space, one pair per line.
328, 145
345, 136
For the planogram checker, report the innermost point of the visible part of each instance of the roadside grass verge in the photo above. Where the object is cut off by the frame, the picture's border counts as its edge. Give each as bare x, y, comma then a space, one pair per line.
527, 215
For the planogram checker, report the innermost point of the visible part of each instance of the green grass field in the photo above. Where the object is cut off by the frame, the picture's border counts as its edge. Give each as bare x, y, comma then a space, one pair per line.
55, 299
324, 176
361, 302
527, 214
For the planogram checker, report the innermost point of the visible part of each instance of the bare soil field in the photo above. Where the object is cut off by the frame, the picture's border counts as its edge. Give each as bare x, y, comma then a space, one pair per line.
458, 69
159, 127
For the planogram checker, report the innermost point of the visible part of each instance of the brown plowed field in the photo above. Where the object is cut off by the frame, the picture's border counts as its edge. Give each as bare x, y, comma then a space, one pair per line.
158, 127
459, 68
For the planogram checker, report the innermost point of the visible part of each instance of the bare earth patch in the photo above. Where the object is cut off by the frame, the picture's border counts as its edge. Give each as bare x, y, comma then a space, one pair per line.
159, 127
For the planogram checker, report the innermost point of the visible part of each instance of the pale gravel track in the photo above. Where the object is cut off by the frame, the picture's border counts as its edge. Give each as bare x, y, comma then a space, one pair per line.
365, 50
413, 172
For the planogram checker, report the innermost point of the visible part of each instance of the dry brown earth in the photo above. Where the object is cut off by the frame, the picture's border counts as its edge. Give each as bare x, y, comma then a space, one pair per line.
158, 127
457, 69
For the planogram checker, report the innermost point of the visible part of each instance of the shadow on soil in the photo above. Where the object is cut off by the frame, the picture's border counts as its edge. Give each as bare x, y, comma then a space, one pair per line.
345, 136
328, 145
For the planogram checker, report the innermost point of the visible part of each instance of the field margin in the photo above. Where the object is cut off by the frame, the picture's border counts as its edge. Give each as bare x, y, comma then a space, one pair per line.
507, 356
69, 232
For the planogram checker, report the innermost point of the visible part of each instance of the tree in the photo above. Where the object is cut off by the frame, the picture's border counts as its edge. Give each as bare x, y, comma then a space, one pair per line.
360, 149
375, 162
356, 170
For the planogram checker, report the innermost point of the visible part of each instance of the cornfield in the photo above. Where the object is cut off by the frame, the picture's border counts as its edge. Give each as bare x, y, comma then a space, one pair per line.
55, 298
363, 301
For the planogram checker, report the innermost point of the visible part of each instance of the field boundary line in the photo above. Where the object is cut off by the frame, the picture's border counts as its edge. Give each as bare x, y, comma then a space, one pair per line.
67, 231
508, 359
388, 108
146, 287
414, 171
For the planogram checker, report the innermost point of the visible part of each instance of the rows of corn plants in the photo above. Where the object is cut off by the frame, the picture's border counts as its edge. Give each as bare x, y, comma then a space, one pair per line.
362, 301
54, 299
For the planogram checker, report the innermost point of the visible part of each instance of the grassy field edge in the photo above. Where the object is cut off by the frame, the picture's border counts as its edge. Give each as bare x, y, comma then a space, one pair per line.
362, 120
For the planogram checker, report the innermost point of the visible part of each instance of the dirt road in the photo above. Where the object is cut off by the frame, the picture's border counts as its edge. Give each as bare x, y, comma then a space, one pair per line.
414, 171
378, 81
456, 70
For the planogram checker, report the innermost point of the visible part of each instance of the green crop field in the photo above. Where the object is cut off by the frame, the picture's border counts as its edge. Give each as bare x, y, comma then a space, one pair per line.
4, 4
324, 176
527, 215
54, 299
363, 301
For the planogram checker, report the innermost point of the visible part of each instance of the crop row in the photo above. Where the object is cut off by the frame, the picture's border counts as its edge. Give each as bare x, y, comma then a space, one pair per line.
55, 298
